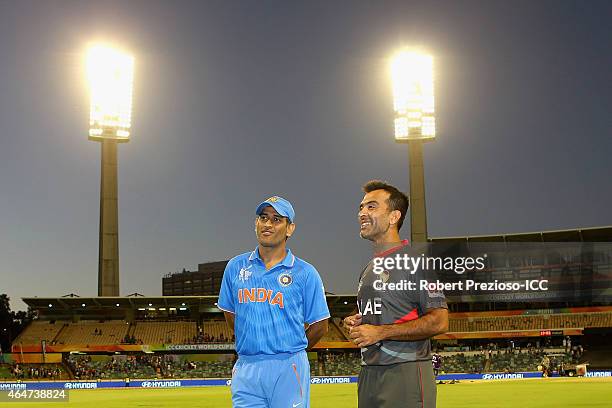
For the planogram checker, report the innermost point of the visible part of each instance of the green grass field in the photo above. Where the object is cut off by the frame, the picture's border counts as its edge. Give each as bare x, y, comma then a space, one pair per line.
536, 393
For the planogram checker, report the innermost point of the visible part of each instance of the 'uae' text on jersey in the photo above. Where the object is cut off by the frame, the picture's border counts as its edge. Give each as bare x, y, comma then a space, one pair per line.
379, 307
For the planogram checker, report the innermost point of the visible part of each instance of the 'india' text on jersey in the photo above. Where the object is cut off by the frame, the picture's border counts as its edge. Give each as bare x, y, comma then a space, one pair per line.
271, 306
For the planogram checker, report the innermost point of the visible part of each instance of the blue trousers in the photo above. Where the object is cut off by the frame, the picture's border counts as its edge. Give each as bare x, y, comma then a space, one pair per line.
271, 381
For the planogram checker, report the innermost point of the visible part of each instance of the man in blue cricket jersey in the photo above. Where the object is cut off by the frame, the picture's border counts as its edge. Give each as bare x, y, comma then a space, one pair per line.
275, 303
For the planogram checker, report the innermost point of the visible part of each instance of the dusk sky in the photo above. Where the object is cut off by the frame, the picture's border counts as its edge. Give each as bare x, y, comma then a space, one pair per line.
235, 101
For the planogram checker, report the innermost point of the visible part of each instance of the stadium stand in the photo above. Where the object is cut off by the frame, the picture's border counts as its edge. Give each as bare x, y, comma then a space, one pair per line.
500, 360
530, 322
221, 369
93, 332
335, 333
40, 330
33, 372
205, 350
179, 332
505, 360
216, 331
146, 366
340, 325
330, 364
336, 364
86, 368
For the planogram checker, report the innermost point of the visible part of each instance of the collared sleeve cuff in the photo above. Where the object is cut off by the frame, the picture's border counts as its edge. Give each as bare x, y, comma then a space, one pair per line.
318, 320
225, 309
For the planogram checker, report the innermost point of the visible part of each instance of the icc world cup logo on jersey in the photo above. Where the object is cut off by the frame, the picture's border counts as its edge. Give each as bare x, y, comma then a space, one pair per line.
285, 279
244, 274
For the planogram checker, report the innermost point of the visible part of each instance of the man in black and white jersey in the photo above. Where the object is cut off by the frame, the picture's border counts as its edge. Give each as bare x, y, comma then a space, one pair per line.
392, 326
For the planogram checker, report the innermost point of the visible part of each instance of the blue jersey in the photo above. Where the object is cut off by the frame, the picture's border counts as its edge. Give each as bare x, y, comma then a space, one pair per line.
271, 306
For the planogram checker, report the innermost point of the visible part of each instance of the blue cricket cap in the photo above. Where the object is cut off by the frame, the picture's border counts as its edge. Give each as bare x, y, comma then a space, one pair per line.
282, 206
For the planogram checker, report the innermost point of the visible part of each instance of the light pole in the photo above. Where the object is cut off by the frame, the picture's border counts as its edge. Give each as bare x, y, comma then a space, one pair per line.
413, 102
110, 73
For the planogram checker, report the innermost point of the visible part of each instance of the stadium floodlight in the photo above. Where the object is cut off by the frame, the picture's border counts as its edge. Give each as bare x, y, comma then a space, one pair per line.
413, 95
110, 73
412, 78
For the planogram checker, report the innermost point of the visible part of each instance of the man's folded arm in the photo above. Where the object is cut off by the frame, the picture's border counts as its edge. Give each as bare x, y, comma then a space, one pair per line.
432, 323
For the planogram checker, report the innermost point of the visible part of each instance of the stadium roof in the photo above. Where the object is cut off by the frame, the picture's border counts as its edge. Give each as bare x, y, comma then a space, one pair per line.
594, 234
340, 304
130, 302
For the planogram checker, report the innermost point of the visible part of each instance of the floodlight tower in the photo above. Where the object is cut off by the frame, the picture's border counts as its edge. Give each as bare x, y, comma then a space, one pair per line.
110, 73
413, 102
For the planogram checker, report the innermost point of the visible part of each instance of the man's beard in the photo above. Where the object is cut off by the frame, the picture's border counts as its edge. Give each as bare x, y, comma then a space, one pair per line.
376, 232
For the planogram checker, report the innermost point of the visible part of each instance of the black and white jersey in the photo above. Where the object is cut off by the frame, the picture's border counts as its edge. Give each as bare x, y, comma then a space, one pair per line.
386, 296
